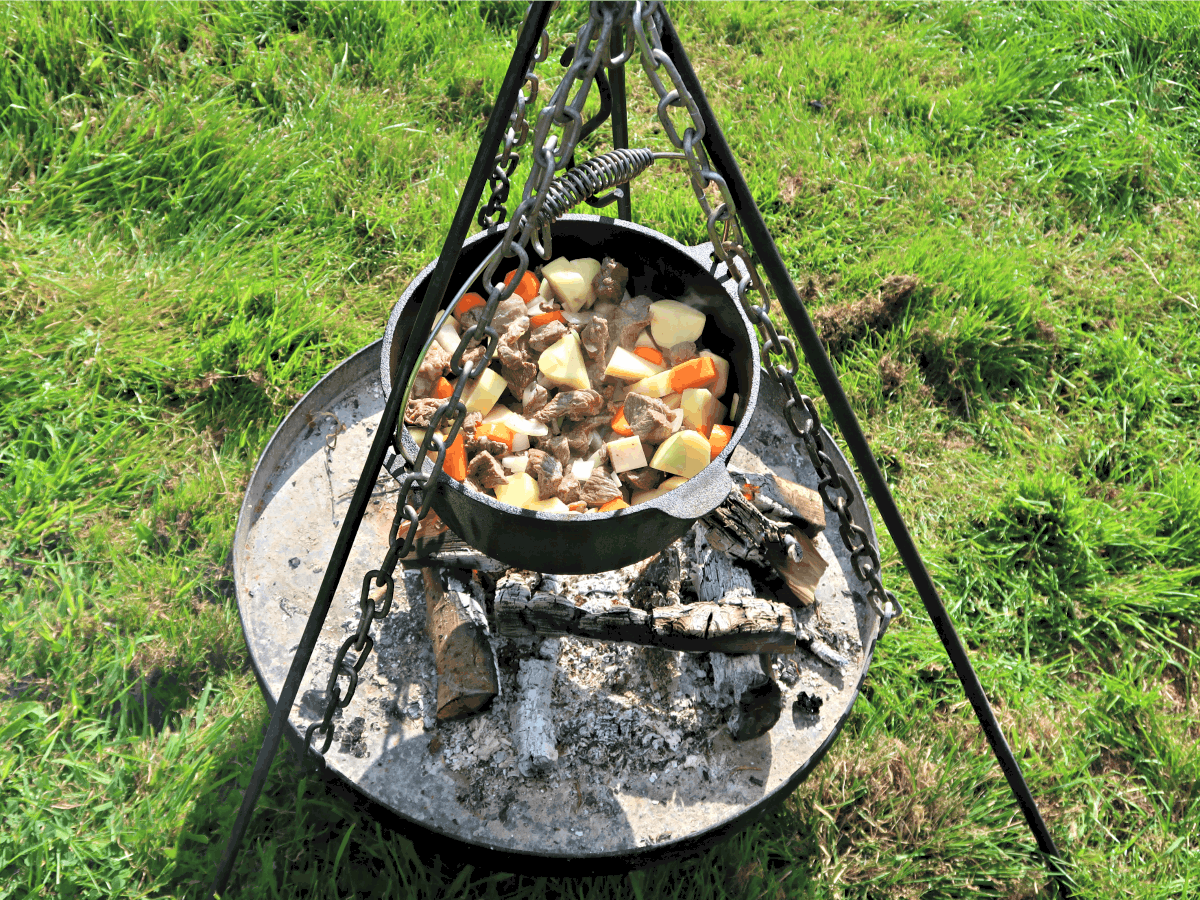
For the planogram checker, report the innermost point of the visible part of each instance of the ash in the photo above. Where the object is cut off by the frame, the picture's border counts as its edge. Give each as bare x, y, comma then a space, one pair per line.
621, 713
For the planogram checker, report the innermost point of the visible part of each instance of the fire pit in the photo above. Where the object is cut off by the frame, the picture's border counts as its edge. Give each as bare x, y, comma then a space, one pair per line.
595, 755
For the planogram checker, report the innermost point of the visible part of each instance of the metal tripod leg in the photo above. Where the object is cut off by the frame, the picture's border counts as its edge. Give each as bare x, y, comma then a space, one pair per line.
814, 352
535, 24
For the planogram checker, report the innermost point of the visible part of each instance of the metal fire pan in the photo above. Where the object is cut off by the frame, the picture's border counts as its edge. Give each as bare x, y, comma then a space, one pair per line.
288, 523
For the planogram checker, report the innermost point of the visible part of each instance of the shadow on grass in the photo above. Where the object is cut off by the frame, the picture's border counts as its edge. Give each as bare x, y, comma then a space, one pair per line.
317, 836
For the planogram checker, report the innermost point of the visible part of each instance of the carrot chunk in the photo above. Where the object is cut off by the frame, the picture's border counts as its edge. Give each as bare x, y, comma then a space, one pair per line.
719, 439
613, 505
649, 354
468, 301
497, 431
528, 286
455, 463
443, 389
695, 373
620, 425
546, 318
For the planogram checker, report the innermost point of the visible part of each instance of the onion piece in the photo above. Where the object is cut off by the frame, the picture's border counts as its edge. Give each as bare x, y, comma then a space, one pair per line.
520, 442
515, 463
522, 425
582, 469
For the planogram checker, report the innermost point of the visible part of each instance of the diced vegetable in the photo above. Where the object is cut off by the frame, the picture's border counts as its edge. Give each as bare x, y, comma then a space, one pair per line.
515, 463
650, 354
496, 431
698, 372
683, 453
563, 364
699, 410
582, 469
655, 386
735, 407
447, 335
522, 425
442, 389
546, 318
644, 340
673, 400
455, 462
719, 439
499, 413
482, 393
520, 442
551, 505
613, 505
468, 301
528, 287
620, 424
626, 454
572, 282
722, 383
520, 491
672, 322
630, 367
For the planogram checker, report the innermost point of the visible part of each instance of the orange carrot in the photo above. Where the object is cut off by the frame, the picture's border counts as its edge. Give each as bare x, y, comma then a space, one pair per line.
577, 506
695, 373
613, 505
455, 462
528, 288
468, 301
546, 318
620, 425
649, 354
720, 437
443, 389
497, 431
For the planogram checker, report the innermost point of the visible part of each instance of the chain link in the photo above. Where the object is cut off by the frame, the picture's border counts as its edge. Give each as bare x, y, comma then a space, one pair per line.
494, 212
729, 248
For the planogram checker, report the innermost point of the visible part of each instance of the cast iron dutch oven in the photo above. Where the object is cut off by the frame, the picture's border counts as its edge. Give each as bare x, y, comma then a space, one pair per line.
595, 541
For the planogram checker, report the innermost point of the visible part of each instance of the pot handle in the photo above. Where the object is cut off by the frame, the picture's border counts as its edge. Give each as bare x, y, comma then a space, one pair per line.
703, 493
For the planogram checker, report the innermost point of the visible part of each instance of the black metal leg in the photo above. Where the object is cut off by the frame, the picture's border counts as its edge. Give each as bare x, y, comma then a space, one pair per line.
535, 24
814, 352
620, 120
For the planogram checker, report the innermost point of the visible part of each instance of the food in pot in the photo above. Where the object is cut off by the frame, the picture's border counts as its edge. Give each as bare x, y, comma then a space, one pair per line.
595, 400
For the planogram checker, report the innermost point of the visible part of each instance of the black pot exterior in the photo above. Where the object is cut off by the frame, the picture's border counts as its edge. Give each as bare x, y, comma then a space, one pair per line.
598, 542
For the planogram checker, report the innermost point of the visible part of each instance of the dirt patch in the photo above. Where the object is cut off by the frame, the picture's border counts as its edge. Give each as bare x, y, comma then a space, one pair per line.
843, 324
892, 373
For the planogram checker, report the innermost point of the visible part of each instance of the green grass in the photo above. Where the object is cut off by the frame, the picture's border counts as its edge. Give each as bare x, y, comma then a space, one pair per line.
204, 207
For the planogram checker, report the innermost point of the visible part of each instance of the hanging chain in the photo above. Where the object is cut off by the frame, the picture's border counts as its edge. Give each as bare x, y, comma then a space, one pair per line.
550, 153
725, 232
494, 211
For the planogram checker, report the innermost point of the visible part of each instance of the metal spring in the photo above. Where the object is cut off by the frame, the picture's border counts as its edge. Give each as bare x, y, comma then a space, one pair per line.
586, 179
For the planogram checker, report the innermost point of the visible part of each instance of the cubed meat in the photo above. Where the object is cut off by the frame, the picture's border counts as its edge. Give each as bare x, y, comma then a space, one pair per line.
680, 353
632, 318
594, 338
420, 412
610, 281
517, 364
534, 397
648, 418
545, 335
556, 445
432, 367
575, 405
486, 471
568, 489
549, 476
579, 434
601, 487
644, 479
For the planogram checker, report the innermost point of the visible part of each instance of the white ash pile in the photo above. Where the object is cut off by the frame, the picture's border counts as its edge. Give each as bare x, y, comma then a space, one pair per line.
628, 676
